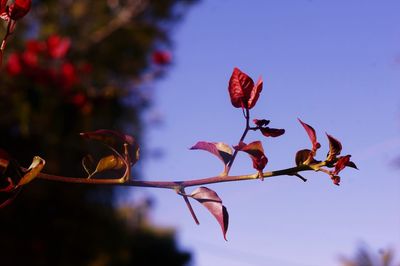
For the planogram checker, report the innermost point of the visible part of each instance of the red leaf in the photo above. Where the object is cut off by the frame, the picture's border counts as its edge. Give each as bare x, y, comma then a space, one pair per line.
241, 89
219, 149
3, 5
255, 93
335, 147
341, 164
311, 134
210, 199
272, 132
256, 152
19, 9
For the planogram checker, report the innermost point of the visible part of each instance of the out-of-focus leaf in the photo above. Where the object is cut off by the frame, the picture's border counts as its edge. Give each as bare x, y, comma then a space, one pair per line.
113, 139
88, 164
4, 161
242, 91
111, 162
311, 134
33, 170
335, 147
210, 199
272, 132
108, 136
256, 153
9, 186
219, 149
7, 197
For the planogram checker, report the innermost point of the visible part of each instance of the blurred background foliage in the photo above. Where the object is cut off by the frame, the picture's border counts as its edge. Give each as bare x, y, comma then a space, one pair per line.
75, 66
365, 257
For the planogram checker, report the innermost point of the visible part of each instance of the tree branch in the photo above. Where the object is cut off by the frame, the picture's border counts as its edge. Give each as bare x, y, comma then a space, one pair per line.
176, 185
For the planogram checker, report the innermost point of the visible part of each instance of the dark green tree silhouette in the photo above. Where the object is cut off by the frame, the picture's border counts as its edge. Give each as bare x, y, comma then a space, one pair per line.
74, 66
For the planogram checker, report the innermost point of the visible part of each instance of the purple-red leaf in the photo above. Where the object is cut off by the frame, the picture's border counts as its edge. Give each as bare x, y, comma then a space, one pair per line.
242, 91
108, 136
210, 199
311, 134
272, 132
255, 94
352, 165
219, 149
261, 122
256, 152
302, 156
335, 147
341, 164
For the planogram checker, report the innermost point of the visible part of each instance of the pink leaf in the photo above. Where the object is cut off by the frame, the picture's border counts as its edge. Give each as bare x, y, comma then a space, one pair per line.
210, 199
256, 153
219, 149
311, 134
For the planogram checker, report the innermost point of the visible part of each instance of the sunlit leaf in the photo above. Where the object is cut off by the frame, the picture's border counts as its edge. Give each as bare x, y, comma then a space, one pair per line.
242, 91
111, 162
256, 152
33, 170
210, 199
255, 94
219, 149
335, 147
311, 134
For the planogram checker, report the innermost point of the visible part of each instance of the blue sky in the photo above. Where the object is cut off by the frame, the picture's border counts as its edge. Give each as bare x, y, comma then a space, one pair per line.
334, 64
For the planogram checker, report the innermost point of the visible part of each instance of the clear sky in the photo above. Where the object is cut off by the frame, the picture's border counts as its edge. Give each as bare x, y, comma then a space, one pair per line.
334, 64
